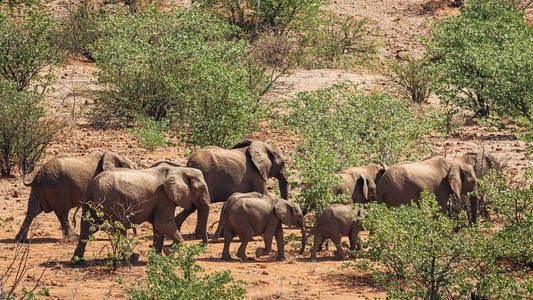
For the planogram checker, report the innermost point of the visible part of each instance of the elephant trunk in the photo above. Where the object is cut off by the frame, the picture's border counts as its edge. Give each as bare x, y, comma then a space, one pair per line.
304, 239
474, 204
284, 188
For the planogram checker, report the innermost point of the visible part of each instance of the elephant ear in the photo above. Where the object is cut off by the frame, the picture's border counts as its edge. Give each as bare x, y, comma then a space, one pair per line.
177, 187
259, 154
362, 186
454, 178
284, 212
110, 161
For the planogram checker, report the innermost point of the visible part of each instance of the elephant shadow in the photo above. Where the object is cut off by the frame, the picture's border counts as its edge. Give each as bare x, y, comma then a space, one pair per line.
97, 262
44, 240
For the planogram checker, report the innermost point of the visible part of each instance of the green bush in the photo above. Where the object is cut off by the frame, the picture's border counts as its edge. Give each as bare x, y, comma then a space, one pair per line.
177, 276
150, 132
483, 59
336, 41
25, 132
419, 253
181, 65
79, 27
339, 127
411, 79
512, 209
277, 16
28, 42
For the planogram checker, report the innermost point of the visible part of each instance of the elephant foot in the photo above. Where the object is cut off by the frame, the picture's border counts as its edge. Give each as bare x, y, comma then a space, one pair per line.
226, 257
22, 240
281, 258
71, 237
244, 258
261, 252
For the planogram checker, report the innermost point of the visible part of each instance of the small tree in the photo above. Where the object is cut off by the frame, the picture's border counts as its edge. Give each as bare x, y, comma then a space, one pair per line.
177, 276
411, 79
25, 132
483, 59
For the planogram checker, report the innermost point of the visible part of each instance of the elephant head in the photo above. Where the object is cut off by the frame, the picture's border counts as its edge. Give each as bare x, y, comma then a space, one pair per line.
289, 213
481, 162
462, 179
381, 169
112, 160
365, 190
185, 186
269, 161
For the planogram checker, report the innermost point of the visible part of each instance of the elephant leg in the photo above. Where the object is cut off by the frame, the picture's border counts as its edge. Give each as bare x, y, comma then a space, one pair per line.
158, 242
280, 245
337, 241
241, 253
68, 233
85, 232
268, 243
201, 223
34, 208
183, 215
218, 232
319, 239
354, 239
169, 229
228, 237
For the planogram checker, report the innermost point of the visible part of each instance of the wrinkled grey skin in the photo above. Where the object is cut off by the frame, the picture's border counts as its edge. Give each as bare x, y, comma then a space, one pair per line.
361, 182
137, 196
335, 222
244, 168
405, 181
481, 162
60, 184
252, 214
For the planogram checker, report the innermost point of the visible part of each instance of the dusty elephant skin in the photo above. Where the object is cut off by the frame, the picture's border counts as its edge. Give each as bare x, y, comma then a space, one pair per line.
60, 184
252, 214
137, 196
335, 222
405, 181
243, 168
481, 162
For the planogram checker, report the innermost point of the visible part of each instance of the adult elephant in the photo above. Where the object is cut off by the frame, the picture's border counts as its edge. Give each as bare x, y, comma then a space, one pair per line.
404, 182
137, 196
60, 184
480, 161
243, 168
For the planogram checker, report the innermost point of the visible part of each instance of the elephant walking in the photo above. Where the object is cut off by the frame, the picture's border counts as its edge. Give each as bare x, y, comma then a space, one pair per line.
243, 168
405, 181
252, 214
60, 184
137, 196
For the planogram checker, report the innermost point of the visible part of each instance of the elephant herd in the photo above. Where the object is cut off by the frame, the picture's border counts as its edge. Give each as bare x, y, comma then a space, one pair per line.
107, 186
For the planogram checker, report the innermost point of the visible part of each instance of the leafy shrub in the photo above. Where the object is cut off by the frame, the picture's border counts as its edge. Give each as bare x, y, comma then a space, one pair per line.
28, 44
277, 16
181, 65
120, 247
513, 210
80, 27
25, 132
411, 79
177, 276
150, 132
337, 41
484, 59
418, 252
522, 4
339, 127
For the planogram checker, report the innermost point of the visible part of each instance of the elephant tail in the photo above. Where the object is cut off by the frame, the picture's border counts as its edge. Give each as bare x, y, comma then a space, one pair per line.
213, 225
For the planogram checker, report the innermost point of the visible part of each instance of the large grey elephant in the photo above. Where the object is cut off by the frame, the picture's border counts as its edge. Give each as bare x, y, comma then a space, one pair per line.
252, 214
243, 168
405, 181
137, 196
335, 222
358, 182
60, 184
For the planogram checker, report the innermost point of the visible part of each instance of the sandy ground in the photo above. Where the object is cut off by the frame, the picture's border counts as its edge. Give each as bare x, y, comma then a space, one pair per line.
397, 24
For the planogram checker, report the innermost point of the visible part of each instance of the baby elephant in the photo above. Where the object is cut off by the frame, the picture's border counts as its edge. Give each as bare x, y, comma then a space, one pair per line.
335, 222
252, 214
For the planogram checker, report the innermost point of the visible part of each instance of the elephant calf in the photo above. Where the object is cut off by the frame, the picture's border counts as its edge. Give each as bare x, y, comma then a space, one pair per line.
335, 222
60, 184
137, 196
252, 214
